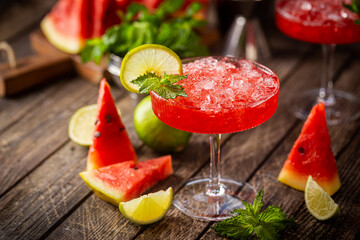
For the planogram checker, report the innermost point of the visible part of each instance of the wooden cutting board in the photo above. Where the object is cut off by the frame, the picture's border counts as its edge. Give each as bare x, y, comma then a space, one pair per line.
90, 71
47, 64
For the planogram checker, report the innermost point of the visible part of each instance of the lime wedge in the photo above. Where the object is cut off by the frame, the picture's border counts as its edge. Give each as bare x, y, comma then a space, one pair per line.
318, 202
149, 208
82, 124
148, 58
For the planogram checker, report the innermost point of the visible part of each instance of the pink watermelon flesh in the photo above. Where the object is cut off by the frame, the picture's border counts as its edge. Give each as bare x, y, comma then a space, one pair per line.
111, 143
124, 181
71, 22
312, 155
104, 16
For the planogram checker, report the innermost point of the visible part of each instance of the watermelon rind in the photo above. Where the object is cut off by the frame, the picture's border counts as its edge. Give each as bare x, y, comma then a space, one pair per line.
102, 190
124, 181
312, 155
67, 44
298, 181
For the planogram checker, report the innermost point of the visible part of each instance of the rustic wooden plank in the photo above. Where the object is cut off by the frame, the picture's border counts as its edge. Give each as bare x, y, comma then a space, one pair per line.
292, 201
53, 189
184, 167
42, 130
13, 108
21, 16
348, 161
245, 151
30, 72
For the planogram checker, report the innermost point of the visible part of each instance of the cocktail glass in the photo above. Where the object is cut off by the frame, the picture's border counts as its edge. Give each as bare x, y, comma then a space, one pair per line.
328, 23
225, 95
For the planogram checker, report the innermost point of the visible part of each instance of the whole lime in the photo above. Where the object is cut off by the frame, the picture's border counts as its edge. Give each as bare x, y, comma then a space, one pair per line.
156, 134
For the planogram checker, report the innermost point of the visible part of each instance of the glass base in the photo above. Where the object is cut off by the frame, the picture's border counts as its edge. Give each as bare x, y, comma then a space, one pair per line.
194, 201
343, 107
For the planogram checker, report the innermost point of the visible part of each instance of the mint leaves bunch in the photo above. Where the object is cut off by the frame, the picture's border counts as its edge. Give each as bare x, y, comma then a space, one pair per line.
267, 225
354, 7
140, 26
165, 87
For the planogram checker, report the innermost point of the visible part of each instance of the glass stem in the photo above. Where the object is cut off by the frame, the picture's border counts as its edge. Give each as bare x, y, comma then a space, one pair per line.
326, 93
214, 186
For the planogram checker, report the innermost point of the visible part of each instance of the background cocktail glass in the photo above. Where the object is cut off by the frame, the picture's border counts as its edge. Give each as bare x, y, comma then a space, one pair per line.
239, 22
328, 23
255, 98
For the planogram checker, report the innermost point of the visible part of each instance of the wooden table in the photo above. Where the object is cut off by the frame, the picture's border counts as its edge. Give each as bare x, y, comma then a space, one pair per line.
43, 197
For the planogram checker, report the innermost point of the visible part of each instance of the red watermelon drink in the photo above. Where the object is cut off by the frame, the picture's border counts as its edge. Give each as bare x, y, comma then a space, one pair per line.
225, 95
325, 22
317, 21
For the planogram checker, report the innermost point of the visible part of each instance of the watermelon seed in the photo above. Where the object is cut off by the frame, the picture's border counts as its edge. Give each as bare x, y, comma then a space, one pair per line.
96, 122
108, 118
122, 129
301, 150
136, 168
97, 134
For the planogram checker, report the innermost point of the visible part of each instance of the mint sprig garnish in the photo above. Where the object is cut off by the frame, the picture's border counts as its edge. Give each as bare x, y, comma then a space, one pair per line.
268, 224
166, 87
140, 26
354, 7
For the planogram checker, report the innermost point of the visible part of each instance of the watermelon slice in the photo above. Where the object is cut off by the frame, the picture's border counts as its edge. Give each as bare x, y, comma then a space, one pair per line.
71, 22
111, 143
312, 155
104, 16
124, 181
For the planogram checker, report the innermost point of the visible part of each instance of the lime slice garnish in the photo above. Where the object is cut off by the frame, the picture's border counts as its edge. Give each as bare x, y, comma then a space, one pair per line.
148, 58
318, 202
82, 124
149, 208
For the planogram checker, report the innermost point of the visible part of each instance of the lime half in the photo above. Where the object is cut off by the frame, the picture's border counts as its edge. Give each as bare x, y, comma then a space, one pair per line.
82, 124
318, 202
149, 208
148, 58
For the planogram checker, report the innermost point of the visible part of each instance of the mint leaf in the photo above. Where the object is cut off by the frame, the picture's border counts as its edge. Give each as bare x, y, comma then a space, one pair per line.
237, 228
267, 225
354, 7
171, 79
166, 87
94, 50
140, 26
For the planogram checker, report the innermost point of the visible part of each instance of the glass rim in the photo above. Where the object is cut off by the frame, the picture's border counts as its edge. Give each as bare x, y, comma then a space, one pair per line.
247, 105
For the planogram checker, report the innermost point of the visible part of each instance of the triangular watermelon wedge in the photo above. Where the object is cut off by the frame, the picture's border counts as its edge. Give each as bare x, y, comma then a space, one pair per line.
312, 155
124, 181
111, 143
71, 22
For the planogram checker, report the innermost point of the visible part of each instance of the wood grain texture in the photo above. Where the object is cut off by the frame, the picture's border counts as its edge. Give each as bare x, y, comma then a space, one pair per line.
291, 200
90, 70
42, 130
30, 72
42, 196
246, 151
184, 167
54, 188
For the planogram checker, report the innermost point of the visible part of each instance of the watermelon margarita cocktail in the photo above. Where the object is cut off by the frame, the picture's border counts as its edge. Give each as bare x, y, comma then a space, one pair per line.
325, 22
225, 95
317, 21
